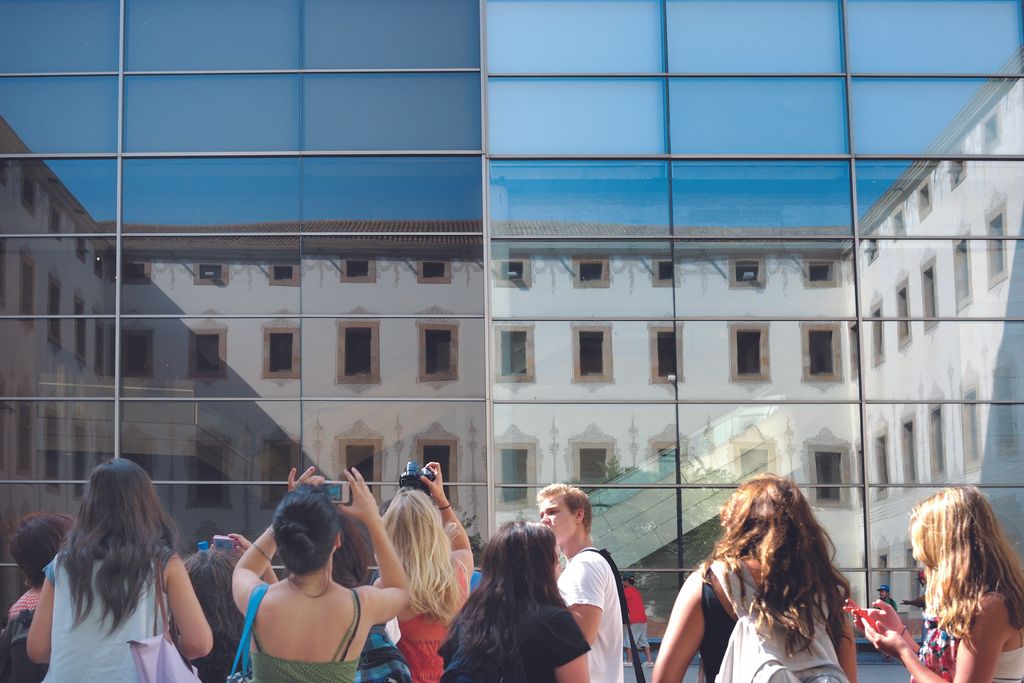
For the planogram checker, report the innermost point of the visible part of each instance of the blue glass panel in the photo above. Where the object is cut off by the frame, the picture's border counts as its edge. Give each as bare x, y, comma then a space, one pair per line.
576, 116
935, 116
394, 193
754, 36
575, 36
761, 197
758, 115
181, 194
934, 36
211, 113
80, 191
579, 197
382, 34
227, 34
392, 111
58, 114
58, 35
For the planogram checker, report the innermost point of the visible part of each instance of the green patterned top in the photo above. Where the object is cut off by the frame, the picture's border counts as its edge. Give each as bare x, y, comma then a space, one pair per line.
269, 669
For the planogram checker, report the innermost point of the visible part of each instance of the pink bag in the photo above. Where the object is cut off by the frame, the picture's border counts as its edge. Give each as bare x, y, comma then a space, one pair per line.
157, 659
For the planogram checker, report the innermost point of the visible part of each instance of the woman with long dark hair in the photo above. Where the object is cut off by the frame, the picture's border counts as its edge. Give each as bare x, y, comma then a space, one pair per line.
516, 616
776, 561
101, 589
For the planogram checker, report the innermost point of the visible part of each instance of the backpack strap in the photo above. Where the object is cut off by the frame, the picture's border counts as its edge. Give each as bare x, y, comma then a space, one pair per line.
624, 609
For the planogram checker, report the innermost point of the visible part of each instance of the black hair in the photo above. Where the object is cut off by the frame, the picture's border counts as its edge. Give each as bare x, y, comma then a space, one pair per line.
36, 539
305, 525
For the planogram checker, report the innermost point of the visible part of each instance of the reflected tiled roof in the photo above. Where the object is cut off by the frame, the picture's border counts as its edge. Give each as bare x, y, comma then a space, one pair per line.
355, 226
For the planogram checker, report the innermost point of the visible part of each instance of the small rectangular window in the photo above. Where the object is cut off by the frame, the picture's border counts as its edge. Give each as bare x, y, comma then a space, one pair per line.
871, 250
591, 272
591, 353
27, 282
820, 273
749, 347
664, 273
938, 452
358, 352
514, 464
28, 194
746, 272
821, 349
284, 275
361, 456
909, 453
135, 272
903, 312
80, 251
80, 341
359, 271
137, 353
899, 224
996, 249
928, 299
207, 353
438, 359
210, 274
593, 465
877, 336
971, 432
924, 201
512, 272
957, 173
882, 463
513, 353
666, 354
990, 134
962, 274
435, 272
281, 353
54, 224
828, 470
53, 325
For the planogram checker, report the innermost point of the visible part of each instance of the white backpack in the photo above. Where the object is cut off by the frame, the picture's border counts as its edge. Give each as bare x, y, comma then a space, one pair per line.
755, 657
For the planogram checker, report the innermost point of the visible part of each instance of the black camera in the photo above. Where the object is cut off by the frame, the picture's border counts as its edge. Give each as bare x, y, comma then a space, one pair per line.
411, 477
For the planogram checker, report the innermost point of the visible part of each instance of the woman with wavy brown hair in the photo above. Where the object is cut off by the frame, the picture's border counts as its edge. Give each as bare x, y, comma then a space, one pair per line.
974, 595
773, 547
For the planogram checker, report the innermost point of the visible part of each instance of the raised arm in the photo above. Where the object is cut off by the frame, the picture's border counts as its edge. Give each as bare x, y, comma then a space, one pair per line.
196, 638
461, 548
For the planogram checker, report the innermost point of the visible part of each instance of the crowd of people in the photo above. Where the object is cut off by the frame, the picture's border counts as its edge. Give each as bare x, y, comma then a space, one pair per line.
547, 610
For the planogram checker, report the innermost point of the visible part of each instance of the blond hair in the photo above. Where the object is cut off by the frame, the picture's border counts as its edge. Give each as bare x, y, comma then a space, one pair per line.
957, 537
573, 497
769, 520
415, 528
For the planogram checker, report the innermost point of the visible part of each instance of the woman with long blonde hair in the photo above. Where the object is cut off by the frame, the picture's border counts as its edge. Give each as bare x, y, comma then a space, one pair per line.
775, 560
974, 595
435, 552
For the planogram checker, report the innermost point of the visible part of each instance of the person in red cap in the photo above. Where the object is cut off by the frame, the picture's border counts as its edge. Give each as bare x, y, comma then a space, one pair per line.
637, 621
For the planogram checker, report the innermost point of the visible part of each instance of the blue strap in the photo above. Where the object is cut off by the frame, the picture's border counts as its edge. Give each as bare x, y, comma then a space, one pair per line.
242, 655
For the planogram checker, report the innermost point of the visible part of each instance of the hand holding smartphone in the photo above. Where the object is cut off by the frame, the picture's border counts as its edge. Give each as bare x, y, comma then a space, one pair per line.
221, 542
340, 492
861, 613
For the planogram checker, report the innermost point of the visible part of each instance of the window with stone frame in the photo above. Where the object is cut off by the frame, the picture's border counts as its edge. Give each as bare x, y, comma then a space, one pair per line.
962, 274
209, 463
445, 453
136, 352
748, 352
663, 273
936, 445
514, 361
592, 353
210, 274
358, 352
924, 200
207, 353
996, 248
591, 272
820, 272
957, 173
53, 325
746, 272
929, 298
903, 313
822, 361
908, 448
364, 454
78, 308
358, 270
27, 286
434, 272
881, 447
438, 352
828, 466
283, 274
877, 336
514, 271
971, 427
281, 353
666, 353
516, 463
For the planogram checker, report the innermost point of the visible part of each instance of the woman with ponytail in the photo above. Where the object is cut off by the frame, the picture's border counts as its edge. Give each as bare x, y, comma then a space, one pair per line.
309, 628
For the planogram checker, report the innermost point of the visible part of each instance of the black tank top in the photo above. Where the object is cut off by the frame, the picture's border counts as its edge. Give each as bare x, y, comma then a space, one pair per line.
718, 627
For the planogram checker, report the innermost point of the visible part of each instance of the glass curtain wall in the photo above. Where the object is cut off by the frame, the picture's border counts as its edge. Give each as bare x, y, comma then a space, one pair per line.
653, 247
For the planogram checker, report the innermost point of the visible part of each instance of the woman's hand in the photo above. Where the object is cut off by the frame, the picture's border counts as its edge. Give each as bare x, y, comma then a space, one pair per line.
363, 506
308, 477
884, 614
889, 641
242, 542
436, 487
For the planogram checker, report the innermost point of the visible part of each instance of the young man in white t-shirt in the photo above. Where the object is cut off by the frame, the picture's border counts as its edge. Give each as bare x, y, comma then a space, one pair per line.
587, 584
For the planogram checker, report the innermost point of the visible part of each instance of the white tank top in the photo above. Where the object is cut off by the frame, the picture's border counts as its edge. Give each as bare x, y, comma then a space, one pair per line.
1010, 666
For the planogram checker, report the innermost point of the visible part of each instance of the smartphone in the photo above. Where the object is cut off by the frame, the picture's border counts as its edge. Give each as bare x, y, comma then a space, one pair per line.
340, 492
221, 542
858, 611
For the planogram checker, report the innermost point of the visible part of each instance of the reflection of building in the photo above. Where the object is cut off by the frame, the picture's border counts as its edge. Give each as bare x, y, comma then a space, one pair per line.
654, 327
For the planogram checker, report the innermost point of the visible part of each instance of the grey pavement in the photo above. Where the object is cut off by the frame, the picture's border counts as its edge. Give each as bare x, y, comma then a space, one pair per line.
866, 673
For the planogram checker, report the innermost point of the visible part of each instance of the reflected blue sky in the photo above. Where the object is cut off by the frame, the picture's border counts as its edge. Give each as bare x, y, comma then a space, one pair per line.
754, 36
91, 182
58, 35
227, 34
874, 178
72, 114
761, 194
932, 36
574, 36
632, 193
905, 116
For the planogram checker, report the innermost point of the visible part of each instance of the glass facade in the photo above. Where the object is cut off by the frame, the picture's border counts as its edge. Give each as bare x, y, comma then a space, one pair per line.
654, 247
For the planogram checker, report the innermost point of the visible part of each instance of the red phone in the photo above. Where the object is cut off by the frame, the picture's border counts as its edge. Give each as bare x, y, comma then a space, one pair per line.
858, 611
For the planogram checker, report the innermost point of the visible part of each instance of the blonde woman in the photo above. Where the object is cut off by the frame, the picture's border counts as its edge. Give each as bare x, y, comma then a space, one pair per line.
435, 552
974, 594
775, 557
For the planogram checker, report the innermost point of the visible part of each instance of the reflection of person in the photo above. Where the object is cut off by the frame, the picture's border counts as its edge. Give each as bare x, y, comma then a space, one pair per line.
883, 595
637, 621
776, 559
587, 583
917, 602
516, 615
974, 591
